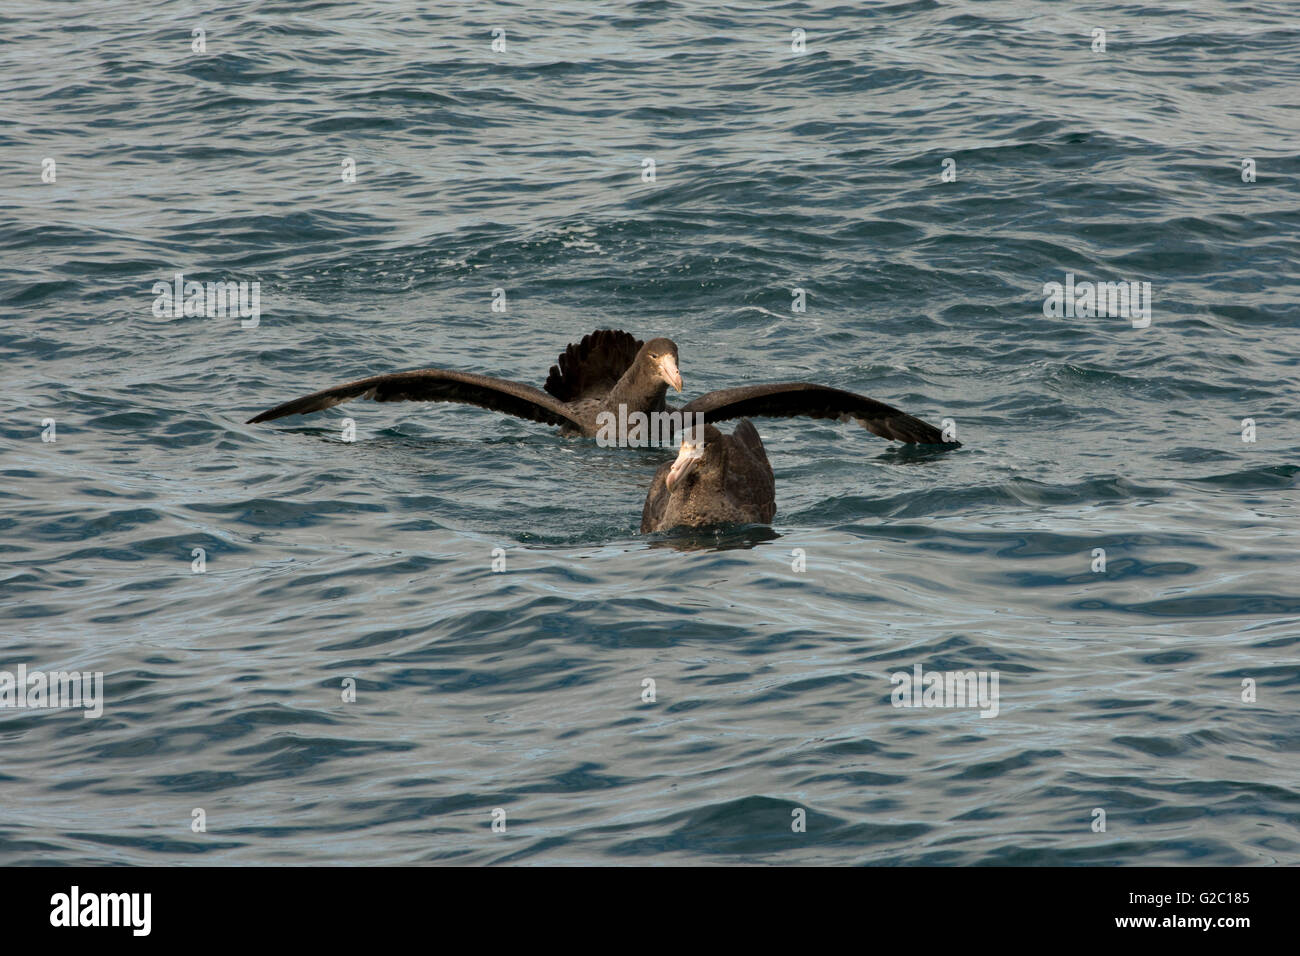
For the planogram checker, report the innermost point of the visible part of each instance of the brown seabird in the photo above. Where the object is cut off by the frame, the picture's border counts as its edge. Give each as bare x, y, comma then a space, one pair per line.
716, 479
607, 369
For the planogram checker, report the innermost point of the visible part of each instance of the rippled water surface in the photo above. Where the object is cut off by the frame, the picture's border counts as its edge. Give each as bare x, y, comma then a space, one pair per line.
521, 691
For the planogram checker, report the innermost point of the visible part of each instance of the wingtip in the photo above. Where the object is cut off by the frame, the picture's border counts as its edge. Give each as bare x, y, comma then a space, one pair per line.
923, 433
939, 442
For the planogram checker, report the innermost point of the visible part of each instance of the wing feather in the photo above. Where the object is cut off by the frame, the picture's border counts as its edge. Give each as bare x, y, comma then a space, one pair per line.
791, 399
435, 385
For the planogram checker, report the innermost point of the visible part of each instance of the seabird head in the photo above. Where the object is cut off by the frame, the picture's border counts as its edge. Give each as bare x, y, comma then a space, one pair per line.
696, 443
661, 356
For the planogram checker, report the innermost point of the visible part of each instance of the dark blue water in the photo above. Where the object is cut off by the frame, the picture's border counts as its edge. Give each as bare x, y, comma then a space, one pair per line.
1120, 690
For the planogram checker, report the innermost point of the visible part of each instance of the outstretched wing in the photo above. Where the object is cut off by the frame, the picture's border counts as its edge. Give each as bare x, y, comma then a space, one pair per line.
435, 385
791, 399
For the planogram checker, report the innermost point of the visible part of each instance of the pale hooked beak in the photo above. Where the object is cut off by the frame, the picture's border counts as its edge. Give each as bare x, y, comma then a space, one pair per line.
687, 458
668, 372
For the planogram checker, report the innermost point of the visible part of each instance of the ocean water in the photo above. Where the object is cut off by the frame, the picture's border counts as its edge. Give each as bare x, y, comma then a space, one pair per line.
1161, 690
